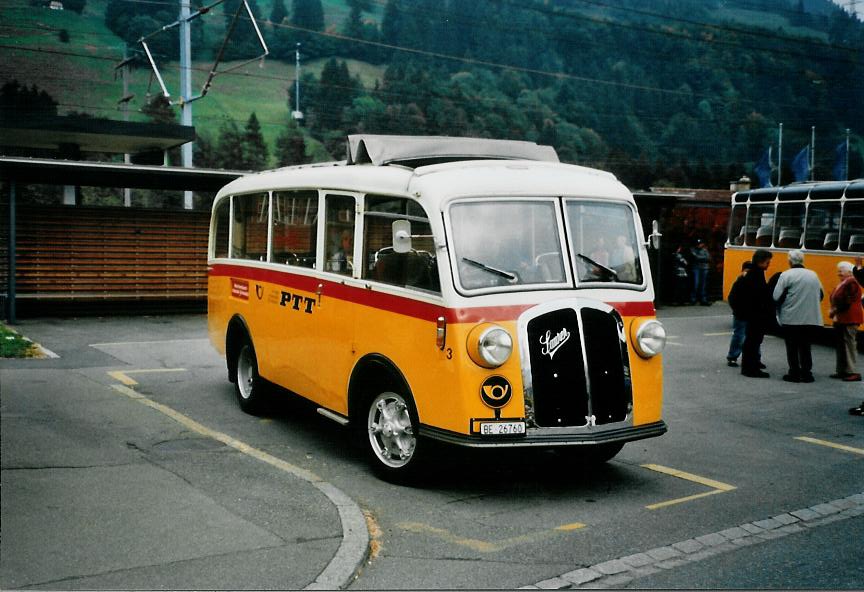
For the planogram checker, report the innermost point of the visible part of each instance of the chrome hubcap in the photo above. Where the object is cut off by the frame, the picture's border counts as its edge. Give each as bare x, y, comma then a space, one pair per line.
245, 372
390, 431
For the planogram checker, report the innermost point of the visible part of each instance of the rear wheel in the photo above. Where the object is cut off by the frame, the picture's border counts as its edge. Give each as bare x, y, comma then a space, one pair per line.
391, 435
248, 384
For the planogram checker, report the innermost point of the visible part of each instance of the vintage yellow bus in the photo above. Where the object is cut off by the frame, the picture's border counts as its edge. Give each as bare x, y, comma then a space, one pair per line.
825, 220
476, 292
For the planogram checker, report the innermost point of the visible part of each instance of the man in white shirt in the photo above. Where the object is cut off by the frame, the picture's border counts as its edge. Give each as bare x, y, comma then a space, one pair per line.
798, 294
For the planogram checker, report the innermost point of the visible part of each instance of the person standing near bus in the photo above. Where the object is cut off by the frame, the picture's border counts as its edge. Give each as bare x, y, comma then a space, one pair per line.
681, 276
701, 264
847, 314
757, 311
798, 294
739, 324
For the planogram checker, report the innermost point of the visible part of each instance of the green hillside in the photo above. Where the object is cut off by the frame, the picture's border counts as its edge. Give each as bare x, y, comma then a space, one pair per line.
679, 91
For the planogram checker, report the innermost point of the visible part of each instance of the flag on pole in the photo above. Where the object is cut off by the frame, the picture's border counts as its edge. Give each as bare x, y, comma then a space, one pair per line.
840, 172
801, 165
763, 169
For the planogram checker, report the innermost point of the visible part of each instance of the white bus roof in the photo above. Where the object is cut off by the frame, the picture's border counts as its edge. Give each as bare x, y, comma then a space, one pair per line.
433, 183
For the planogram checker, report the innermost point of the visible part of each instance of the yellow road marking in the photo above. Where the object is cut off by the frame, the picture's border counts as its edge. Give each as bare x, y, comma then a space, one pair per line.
722, 334
123, 375
485, 546
716, 486
831, 445
218, 436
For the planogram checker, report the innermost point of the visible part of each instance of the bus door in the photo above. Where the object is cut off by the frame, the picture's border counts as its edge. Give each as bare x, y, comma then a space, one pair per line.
329, 347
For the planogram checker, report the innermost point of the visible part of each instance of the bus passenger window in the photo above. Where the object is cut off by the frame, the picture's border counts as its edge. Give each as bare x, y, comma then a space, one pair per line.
823, 226
250, 226
220, 229
415, 269
790, 223
737, 224
760, 225
852, 233
295, 227
339, 234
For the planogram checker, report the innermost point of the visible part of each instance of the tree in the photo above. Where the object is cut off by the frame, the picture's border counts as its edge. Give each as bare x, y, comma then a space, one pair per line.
308, 14
17, 101
255, 155
278, 12
291, 146
229, 147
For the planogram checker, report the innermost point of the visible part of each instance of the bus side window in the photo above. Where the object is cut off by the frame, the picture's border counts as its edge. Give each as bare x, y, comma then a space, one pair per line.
760, 225
220, 230
416, 269
852, 233
249, 235
737, 224
790, 223
339, 234
823, 226
295, 227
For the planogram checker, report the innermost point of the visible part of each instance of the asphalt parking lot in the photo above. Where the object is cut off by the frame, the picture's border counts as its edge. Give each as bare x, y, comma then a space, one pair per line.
127, 465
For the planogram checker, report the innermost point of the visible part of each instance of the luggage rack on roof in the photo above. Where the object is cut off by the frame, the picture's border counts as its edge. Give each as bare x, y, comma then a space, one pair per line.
414, 151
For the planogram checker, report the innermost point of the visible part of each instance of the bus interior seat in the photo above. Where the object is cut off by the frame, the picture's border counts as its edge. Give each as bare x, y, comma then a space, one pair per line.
415, 268
831, 241
763, 236
789, 238
856, 242
739, 240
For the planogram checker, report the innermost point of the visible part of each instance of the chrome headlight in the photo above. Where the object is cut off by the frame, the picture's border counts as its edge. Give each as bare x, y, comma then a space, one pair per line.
489, 345
650, 338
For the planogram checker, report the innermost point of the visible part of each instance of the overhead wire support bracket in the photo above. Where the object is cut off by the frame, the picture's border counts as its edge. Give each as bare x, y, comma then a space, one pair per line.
214, 69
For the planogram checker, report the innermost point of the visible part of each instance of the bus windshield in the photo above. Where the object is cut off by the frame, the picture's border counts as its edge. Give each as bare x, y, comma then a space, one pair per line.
500, 244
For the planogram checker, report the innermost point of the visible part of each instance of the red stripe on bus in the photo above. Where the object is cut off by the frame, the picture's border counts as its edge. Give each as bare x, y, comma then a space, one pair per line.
399, 304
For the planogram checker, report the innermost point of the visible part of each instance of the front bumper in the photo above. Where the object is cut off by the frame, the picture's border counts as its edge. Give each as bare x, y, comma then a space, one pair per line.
549, 437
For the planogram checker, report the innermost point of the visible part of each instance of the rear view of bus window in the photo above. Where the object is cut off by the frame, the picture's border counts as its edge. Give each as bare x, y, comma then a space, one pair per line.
295, 226
603, 242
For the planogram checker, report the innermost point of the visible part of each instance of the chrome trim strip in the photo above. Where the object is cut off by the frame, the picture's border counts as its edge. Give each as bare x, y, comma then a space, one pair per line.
546, 438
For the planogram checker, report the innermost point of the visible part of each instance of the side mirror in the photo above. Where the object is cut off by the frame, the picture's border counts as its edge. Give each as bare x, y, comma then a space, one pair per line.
654, 237
401, 236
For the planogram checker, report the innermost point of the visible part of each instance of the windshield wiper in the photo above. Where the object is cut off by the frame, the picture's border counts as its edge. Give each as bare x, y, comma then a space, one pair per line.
499, 272
589, 260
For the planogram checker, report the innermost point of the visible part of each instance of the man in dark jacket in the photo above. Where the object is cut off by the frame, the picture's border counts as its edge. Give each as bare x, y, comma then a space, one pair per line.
758, 310
739, 325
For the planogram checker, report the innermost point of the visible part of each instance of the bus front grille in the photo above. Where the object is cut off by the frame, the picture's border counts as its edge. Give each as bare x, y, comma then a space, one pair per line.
578, 370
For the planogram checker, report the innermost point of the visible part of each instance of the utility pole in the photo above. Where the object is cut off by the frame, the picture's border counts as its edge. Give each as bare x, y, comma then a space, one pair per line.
124, 102
780, 157
297, 114
186, 89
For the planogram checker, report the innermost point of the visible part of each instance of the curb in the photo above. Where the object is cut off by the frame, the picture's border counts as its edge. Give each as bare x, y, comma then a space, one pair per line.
616, 573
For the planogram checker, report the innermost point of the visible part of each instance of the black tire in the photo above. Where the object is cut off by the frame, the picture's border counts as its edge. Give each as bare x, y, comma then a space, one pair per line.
595, 454
250, 388
602, 453
387, 428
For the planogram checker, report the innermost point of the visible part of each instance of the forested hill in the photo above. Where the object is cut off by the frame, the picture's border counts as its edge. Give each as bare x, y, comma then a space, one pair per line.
684, 92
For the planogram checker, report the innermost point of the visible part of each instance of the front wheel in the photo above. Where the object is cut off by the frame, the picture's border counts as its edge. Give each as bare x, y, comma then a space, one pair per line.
248, 384
391, 430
